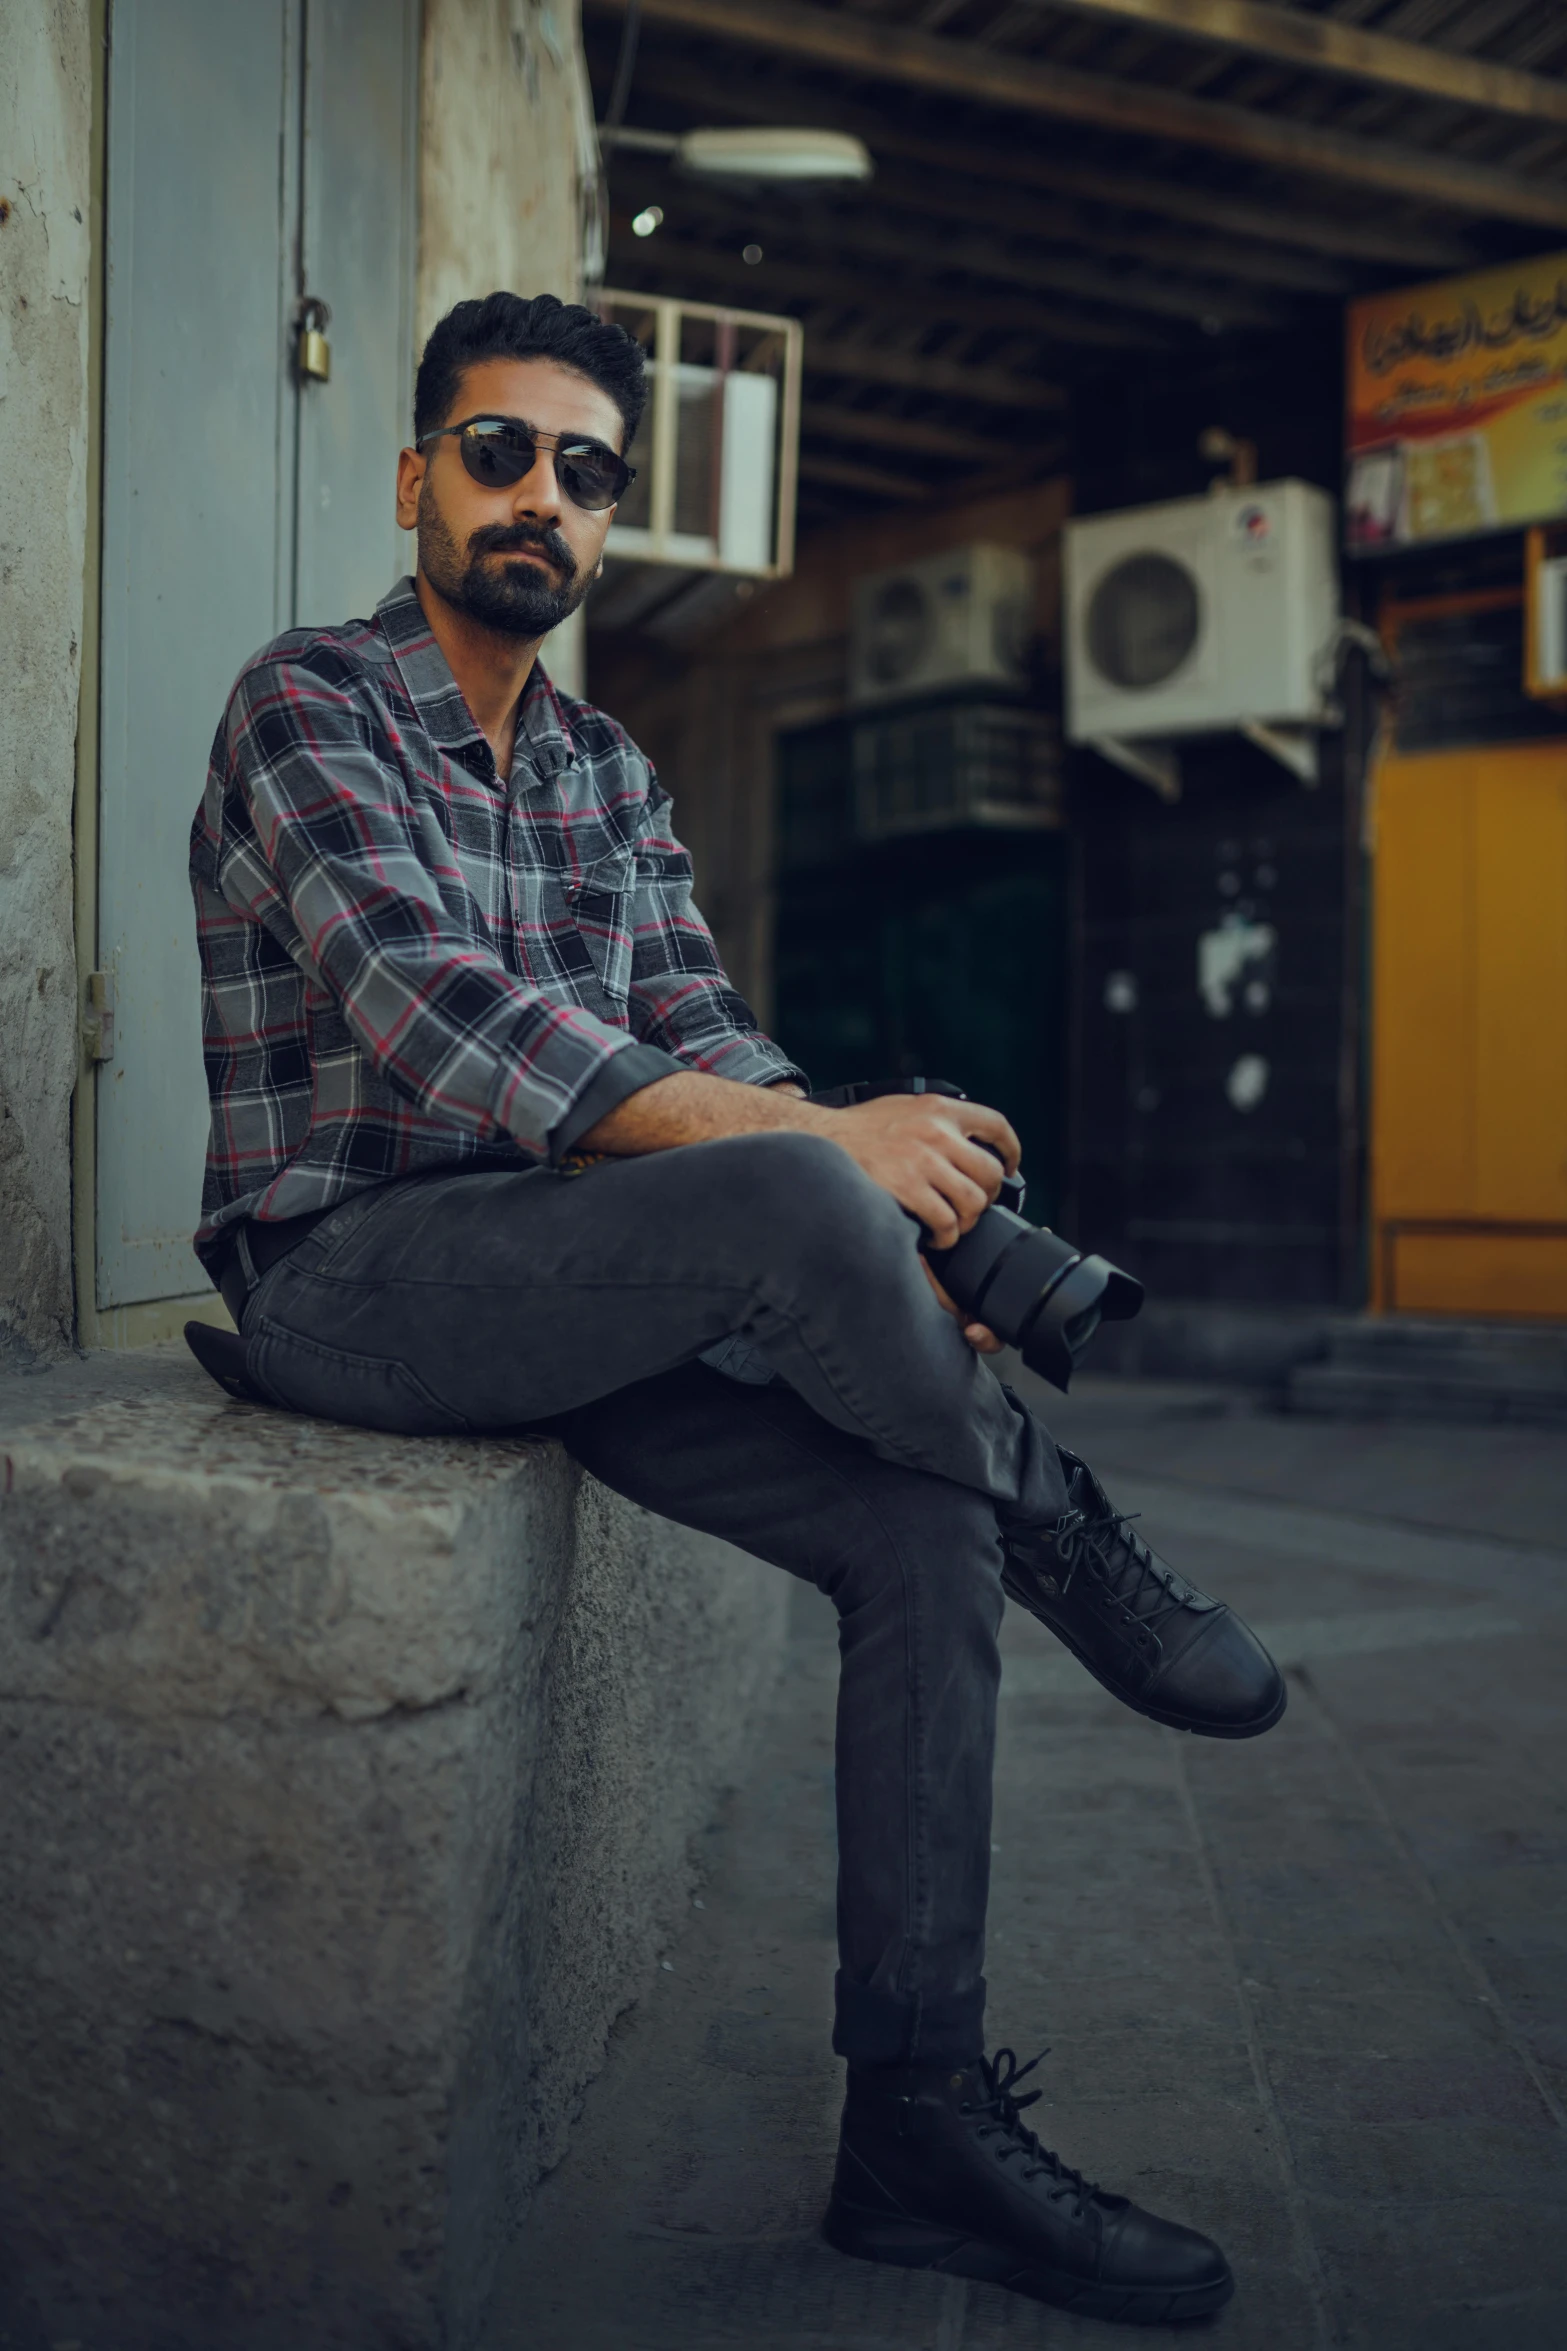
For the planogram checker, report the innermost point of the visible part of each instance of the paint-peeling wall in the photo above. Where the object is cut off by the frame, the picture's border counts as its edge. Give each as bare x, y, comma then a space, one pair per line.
501, 99
506, 146
45, 118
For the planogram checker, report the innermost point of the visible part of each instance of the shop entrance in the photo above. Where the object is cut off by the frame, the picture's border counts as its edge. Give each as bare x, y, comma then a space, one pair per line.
1469, 1102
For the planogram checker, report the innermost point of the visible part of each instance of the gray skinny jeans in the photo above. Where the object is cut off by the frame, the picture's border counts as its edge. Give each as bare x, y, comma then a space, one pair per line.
878, 1465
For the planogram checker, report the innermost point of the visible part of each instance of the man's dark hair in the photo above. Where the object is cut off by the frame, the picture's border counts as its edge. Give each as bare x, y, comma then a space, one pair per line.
506, 326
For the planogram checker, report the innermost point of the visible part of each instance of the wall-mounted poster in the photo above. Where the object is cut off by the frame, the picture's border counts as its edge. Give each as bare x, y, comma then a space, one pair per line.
1457, 396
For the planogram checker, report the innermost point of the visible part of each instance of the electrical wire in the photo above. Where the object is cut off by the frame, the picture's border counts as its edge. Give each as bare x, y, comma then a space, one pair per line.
625, 67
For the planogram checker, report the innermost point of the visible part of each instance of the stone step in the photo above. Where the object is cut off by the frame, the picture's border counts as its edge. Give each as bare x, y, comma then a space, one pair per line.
1531, 1353
1381, 1369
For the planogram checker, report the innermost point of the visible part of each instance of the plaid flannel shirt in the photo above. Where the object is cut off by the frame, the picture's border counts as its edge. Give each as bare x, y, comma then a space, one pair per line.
408, 962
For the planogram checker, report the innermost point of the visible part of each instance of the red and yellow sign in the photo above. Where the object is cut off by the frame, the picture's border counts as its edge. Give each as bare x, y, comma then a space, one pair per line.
1458, 406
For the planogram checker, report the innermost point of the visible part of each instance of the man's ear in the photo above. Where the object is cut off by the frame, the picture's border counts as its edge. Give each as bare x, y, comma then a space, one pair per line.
410, 480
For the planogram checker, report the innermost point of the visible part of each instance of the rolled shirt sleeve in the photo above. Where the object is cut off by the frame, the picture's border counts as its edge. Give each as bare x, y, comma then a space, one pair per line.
681, 998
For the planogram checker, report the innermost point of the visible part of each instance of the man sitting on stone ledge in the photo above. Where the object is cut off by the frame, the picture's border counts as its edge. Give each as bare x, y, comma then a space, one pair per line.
495, 1144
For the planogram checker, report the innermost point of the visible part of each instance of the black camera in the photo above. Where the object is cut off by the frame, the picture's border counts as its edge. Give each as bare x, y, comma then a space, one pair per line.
1032, 1288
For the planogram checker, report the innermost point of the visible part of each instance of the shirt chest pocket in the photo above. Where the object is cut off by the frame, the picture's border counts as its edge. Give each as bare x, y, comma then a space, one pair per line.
601, 899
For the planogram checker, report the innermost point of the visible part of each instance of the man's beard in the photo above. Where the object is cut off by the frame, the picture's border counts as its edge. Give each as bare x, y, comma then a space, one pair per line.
513, 599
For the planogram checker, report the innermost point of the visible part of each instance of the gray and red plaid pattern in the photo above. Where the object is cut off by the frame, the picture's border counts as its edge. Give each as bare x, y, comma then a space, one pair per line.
408, 961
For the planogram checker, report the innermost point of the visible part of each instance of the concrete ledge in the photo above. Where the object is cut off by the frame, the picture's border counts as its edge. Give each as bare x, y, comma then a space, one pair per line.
346, 1792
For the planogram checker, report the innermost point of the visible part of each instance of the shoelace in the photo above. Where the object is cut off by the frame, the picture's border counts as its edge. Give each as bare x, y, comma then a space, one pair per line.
1149, 1593
1004, 2111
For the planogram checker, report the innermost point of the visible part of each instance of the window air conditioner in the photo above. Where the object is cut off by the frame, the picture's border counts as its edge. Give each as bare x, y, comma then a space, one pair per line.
718, 455
1204, 615
947, 621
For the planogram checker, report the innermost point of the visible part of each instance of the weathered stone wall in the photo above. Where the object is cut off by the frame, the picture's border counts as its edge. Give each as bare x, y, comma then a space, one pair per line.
45, 138
500, 143
505, 142
346, 1794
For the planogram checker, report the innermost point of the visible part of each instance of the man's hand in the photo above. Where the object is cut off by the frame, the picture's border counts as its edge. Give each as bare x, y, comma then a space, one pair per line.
980, 1337
927, 1151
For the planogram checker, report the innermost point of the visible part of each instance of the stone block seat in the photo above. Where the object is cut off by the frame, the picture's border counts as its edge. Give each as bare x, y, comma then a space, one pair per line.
348, 1788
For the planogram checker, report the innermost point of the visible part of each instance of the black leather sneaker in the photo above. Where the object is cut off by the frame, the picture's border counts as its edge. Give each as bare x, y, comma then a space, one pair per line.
937, 2170
1148, 1635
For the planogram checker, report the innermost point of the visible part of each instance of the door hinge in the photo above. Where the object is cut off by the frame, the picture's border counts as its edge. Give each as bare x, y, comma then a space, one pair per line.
98, 1017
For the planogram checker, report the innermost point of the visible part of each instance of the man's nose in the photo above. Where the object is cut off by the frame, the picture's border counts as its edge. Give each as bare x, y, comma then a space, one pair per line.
539, 492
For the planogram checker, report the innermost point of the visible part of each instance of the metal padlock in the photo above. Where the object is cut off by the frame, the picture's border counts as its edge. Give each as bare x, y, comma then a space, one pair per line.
314, 352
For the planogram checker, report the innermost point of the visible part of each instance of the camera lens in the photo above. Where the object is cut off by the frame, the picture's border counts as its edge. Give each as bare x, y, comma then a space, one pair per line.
1034, 1290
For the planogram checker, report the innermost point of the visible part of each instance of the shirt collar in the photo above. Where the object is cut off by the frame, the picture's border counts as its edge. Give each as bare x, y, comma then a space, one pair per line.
544, 738
425, 670
543, 729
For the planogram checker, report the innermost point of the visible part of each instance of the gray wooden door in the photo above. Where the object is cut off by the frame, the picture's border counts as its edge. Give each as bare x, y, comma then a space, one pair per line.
357, 238
247, 146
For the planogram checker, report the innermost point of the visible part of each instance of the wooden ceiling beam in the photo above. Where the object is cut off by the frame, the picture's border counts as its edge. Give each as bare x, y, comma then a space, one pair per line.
930, 246
1381, 244
939, 378
1156, 293
841, 474
909, 433
872, 291
1068, 225
938, 195
859, 46
942, 379
1325, 44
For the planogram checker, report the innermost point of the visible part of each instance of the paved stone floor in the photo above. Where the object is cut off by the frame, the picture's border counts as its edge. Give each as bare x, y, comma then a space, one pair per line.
1308, 1993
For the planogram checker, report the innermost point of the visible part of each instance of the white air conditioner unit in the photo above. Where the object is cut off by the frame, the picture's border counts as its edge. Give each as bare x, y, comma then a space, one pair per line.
1203, 615
961, 619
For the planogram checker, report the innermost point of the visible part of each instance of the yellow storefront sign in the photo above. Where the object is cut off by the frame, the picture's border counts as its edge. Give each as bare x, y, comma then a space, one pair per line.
1457, 399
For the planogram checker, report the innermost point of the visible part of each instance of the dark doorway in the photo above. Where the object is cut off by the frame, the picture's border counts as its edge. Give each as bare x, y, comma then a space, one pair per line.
943, 954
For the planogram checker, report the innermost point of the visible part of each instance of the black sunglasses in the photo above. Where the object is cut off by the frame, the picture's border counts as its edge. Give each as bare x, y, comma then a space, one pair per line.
500, 450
